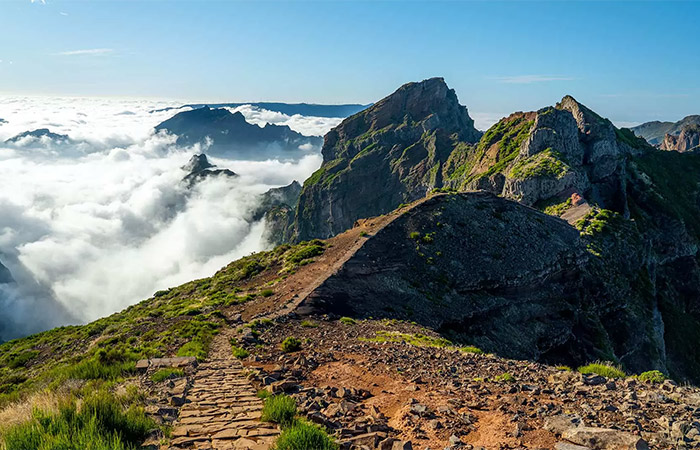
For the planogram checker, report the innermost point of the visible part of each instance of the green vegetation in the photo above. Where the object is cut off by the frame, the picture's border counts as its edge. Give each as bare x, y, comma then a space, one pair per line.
505, 378
554, 206
471, 349
604, 369
238, 352
309, 324
166, 374
415, 235
598, 221
101, 423
420, 340
263, 394
628, 137
564, 368
652, 376
267, 293
547, 163
280, 409
290, 344
303, 435
348, 320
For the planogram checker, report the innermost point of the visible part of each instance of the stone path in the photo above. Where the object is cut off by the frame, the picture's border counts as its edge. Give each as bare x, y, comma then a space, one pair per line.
222, 411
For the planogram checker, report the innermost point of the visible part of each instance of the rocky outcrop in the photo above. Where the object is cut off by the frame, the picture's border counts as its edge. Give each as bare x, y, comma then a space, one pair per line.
389, 154
506, 278
655, 132
199, 168
277, 208
229, 135
687, 140
42, 133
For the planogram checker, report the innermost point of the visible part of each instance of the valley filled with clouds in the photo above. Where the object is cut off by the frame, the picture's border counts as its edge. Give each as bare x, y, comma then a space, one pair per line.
96, 218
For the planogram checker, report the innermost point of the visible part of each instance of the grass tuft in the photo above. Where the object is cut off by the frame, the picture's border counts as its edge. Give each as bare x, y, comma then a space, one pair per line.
291, 344
604, 369
302, 435
652, 376
348, 320
279, 409
505, 378
166, 374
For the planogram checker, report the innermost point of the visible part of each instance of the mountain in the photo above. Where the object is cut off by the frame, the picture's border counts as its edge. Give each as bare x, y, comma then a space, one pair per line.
388, 154
290, 109
655, 132
5, 275
38, 134
277, 207
199, 168
688, 139
229, 135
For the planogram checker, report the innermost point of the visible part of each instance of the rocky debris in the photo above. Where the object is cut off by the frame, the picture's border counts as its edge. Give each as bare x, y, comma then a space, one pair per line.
199, 168
450, 398
688, 139
41, 133
230, 135
388, 154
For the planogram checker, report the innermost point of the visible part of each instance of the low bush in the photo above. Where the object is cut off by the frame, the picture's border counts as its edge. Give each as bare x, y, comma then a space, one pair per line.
652, 376
291, 344
279, 409
603, 369
303, 435
166, 374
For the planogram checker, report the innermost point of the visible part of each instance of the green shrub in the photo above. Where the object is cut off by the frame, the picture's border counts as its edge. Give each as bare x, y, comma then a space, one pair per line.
291, 344
101, 423
415, 235
505, 377
165, 374
303, 435
348, 320
305, 252
309, 324
239, 352
262, 393
564, 368
279, 409
94, 369
603, 369
652, 376
267, 292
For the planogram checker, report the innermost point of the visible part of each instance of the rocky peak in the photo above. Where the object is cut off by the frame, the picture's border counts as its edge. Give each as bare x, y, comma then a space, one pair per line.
687, 140
388, 154
5, 275
197, 163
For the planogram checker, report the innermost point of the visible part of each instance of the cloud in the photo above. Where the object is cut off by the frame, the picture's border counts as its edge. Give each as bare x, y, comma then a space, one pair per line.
88, 52
63, 13
93, 226
306, 125
529, 79
43, 2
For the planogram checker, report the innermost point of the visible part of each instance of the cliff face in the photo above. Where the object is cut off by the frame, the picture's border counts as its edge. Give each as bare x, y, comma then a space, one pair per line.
687, 140
507, 278
389, 154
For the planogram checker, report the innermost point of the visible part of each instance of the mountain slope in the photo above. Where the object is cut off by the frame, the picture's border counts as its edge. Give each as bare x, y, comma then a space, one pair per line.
230, 135
655, 132
389, 154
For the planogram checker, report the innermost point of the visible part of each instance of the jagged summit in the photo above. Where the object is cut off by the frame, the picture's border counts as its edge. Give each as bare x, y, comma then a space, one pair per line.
38, 134
656, 131
197, 163
388, 154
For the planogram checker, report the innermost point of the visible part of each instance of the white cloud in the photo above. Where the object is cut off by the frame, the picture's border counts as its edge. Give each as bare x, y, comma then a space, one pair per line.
88, 52
528, 79
100, 224
63, 13
306, 125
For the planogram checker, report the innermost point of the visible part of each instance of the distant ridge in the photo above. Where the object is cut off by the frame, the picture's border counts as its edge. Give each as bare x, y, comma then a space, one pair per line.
305, 109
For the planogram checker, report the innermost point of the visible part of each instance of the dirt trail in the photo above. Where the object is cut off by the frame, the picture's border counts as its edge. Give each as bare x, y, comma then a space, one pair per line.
223, 412
291, 292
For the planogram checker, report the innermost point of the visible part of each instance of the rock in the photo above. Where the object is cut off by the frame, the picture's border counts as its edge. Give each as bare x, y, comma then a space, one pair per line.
604, 439
199, 168
569, 446
594, 380
561, 423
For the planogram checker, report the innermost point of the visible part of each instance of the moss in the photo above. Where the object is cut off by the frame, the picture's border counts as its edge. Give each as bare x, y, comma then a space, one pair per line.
547, 163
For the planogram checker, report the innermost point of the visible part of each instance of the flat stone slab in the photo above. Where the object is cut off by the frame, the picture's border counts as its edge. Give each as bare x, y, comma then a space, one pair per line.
180, 361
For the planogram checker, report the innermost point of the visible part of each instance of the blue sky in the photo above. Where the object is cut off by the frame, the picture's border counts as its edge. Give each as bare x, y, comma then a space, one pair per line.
630, 61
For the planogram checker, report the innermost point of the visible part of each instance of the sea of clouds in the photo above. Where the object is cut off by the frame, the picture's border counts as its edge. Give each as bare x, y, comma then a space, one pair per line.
91, 226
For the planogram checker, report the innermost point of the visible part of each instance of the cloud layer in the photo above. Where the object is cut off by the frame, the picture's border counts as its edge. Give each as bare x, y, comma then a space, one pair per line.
90, 227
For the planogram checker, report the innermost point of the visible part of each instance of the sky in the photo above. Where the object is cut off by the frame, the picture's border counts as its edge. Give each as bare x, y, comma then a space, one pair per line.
629, 61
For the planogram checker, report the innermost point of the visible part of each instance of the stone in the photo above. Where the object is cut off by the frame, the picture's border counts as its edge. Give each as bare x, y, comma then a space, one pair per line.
604, 439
